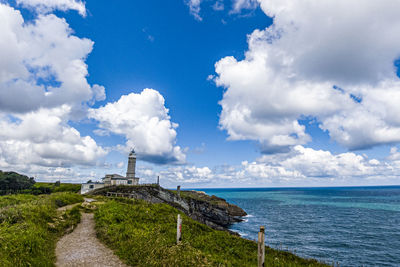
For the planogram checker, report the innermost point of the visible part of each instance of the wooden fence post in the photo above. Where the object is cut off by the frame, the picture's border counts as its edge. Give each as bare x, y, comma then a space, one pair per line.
261, 246
179, 230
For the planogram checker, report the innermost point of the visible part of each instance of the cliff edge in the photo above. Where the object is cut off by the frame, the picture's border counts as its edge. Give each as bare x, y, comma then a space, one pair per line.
210, 210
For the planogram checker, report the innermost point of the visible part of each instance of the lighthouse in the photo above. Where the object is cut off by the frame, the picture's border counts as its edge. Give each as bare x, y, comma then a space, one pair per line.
130, 173
130, 179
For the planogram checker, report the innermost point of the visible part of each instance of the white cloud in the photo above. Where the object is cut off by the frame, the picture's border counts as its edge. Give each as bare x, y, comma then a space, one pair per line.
218, 5
239, 5
43, 87
45, 6
52, 174
99, 92
299, 167
179, 175
306, 165
43, 138
394, 154
329, 60
194, 8
187, 175
43, 62
307, 162
144, 121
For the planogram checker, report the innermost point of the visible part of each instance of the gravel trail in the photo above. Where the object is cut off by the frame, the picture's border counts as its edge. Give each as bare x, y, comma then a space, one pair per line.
82, 248
68, 207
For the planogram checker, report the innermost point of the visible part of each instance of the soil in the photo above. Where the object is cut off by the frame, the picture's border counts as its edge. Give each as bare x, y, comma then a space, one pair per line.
68, 207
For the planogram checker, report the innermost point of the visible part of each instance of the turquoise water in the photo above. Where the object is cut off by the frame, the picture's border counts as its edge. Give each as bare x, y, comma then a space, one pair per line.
352, 226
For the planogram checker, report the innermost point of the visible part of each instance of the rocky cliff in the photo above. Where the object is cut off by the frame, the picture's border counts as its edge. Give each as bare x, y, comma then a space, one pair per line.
210, 210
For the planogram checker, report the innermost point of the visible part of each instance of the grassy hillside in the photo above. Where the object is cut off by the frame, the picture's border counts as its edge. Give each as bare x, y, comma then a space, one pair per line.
56, 187
30, 226
15, 183
144, 234
12, 182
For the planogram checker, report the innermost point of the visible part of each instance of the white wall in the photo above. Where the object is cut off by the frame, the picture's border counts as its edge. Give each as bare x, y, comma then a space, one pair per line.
86, 187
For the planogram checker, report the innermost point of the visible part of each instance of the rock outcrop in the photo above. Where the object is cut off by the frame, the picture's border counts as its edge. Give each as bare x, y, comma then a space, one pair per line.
210, 210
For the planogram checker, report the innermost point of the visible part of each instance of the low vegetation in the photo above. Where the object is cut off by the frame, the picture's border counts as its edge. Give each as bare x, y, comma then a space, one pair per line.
144, 234
58, 187
140, 233
30, 226
12, 182
201, 196
15, 183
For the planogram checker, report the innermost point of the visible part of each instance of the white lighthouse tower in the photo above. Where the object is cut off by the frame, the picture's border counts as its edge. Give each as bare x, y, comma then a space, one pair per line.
130, 173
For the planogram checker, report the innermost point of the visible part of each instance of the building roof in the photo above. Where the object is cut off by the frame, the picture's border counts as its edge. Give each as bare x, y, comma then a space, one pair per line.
114, 175
117, 177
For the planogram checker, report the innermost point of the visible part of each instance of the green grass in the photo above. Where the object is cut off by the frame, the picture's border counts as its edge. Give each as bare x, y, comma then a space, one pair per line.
30, 226
63, 187
144, 234
10, 200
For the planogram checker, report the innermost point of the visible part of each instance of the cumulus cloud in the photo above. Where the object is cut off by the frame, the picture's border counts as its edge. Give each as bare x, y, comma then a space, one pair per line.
51, 174
394, 154
43, 87
300, 165
45, 6
188, 175
308, 162
332, 61
318, 166
44, 138
144, 121
43, 62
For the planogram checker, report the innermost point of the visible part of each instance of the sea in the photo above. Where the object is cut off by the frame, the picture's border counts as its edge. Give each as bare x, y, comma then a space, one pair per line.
347, 226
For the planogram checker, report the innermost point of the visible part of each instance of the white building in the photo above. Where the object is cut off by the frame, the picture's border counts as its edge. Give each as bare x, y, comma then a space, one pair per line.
116, 179
87, 187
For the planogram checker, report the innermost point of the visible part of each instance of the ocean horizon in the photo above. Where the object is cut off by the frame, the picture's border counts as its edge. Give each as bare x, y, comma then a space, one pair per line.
347, 226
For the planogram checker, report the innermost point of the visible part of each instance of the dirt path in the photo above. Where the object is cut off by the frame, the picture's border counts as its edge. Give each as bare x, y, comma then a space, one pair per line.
68, 207
82, 248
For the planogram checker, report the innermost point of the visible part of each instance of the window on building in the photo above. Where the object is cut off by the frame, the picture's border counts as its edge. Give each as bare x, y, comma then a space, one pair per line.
91, 186
129, 181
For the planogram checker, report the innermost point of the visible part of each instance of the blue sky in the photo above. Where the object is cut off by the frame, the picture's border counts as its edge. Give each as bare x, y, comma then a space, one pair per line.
210, 93
173, 54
